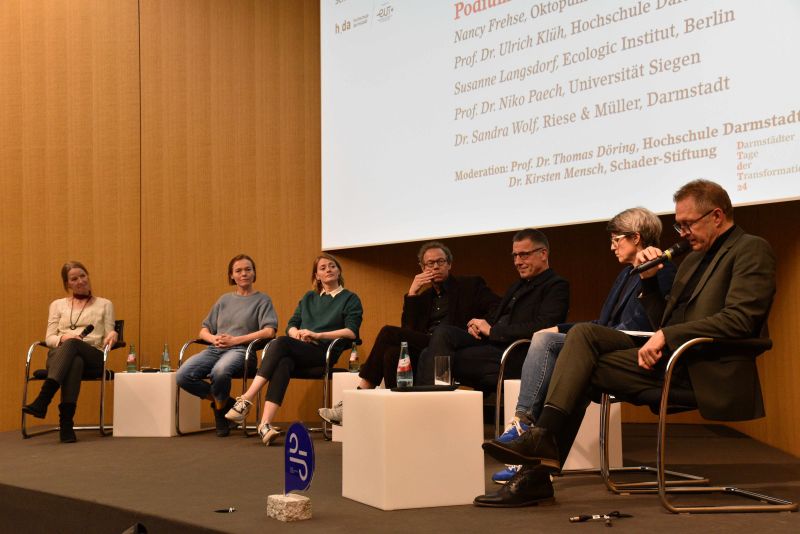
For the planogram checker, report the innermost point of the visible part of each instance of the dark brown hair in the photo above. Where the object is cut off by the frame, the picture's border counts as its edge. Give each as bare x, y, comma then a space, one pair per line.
431, 245
535, 236
707, 195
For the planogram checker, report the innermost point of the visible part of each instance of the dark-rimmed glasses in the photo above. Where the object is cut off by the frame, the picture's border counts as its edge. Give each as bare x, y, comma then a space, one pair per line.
525, 255
686, 228
430, 264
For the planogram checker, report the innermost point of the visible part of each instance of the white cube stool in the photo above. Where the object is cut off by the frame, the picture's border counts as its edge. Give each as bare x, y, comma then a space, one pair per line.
413, 450
144, 406
585, 452
341, 382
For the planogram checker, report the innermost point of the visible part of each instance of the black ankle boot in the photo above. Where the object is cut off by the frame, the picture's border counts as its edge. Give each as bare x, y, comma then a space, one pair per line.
66, 413
530, 486
223, 426
38, 408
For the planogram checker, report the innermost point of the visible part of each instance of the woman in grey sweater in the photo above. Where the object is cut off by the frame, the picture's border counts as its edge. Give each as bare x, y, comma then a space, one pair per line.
234, 321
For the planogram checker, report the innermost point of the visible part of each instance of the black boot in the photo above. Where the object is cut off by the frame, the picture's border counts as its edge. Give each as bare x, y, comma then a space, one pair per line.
66, 413
535, 446
222, 424
38, 408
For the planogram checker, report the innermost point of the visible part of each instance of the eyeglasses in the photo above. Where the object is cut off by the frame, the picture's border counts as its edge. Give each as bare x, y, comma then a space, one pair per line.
615, 239
686, 228
430, 264
525, 255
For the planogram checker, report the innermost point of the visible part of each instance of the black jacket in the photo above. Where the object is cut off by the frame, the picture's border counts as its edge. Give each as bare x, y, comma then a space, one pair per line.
468, 297
543, 302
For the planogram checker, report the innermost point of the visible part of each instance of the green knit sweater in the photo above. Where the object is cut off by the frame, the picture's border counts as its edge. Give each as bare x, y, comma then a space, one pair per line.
323, 313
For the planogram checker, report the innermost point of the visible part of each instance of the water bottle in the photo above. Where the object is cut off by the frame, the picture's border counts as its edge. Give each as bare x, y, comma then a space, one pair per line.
405, 378
355, 366
132, 359
165, 366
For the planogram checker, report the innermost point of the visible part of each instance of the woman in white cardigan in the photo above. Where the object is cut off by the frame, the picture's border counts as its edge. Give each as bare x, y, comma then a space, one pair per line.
73, 353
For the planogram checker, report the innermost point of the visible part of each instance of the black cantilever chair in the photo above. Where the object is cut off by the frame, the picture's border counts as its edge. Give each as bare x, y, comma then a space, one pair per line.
251, 359
668, 399
250, 371
325, 373
510, 367
511, 361
39, 375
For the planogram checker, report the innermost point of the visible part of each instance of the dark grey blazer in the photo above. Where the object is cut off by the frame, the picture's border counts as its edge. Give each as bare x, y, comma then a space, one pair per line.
731, 300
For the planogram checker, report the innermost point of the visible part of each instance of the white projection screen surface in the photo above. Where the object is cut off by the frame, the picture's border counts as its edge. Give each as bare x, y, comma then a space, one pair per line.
445, 118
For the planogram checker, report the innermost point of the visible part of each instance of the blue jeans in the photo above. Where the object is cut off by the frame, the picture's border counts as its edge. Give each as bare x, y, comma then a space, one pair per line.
218, 364
536, 373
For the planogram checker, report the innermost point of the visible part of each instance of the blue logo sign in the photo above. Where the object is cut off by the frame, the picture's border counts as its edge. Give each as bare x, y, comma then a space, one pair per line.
299, 451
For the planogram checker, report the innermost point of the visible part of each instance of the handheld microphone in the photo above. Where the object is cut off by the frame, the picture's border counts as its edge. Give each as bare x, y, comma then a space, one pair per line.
86, 331
679, 248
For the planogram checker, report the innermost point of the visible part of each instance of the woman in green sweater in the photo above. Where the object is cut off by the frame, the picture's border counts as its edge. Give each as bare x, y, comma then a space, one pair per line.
327, 312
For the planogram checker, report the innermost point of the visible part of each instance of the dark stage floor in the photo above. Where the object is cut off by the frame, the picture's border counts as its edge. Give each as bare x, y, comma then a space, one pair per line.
175, 484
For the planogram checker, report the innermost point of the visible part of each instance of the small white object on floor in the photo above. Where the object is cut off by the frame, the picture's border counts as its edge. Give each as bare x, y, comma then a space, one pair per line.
290, 507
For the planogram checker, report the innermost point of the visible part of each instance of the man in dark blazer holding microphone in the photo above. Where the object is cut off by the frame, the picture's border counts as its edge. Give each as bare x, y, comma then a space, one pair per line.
723, 289
539, 299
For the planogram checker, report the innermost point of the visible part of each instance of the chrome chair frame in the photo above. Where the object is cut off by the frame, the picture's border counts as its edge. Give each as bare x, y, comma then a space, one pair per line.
500, 373
197, 341
693, 485
326, 385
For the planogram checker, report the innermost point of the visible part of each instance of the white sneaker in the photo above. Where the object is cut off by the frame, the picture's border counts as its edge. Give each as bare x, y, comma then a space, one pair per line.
267, 433
333, 415
239, 412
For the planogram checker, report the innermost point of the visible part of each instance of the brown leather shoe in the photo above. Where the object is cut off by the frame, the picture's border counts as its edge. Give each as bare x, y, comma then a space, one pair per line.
530, 486
536, 446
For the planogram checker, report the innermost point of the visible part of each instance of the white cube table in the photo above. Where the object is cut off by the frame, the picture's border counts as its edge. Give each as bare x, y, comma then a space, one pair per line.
413, 450
144, 406
341, 382
585, 452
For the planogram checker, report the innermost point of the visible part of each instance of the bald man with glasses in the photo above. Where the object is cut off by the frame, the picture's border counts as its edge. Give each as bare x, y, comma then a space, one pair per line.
539, 299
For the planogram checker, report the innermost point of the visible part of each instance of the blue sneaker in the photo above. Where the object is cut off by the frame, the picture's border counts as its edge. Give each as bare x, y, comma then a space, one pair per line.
503, 476
514, 429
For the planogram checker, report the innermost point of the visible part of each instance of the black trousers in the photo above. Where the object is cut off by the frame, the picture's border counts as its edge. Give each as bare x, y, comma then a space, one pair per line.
69, 362
283, 355
473, 361
382, 361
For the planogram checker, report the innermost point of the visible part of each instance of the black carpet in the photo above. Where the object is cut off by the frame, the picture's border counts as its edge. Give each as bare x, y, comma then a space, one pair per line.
175, 484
